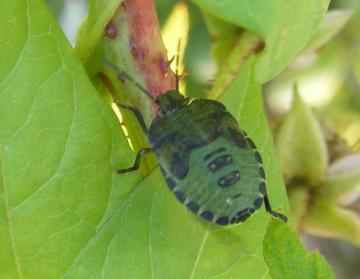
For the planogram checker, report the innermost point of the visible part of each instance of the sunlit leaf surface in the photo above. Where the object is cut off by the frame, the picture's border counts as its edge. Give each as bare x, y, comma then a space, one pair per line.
59, 143
285, 26
63, 210
287, 258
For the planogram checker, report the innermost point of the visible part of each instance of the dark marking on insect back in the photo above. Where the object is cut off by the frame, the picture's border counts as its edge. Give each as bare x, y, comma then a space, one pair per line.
208, 215
170, 183
220, 162
258, 202
258, 157
262, 188
251, 143
180, 196
223, 220
163, 171
241, 212
243, 217
229, 179
209, 155
238, 138
233, 220
262, 172
193, 207
166, 138
237, 196
178, 166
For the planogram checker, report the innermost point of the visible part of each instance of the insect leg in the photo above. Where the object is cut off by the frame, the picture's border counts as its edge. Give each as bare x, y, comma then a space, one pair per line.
137, 114
272, 212
136, 165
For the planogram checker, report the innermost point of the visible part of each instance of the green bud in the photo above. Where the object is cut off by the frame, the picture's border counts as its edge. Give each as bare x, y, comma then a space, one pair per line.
325, 219
301, 147
298, 200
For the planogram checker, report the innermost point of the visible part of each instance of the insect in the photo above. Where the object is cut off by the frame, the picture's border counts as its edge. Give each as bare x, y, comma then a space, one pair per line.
208, 162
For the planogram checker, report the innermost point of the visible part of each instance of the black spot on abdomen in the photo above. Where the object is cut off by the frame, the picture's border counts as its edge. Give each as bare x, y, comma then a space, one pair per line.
250, 143
220, 162
262, 172
242, 215
179, 167
262, 188
258, 202
229, 179
223, 220
238, 138
170, 183
193, 207
258, 157
209, 155
180, 196
208, 215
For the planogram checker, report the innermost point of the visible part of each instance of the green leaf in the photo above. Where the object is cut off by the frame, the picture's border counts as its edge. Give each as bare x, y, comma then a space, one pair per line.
64, 212
243, 48
300, 144
152, 234
331, 25
287, 258
285, 26
326, 219
224, 36
55, 6
59, 145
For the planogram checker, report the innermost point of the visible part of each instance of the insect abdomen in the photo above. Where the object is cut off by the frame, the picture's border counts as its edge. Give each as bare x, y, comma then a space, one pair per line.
222, 182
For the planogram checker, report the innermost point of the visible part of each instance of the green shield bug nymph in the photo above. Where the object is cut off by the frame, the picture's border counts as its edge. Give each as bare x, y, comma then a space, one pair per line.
208, 162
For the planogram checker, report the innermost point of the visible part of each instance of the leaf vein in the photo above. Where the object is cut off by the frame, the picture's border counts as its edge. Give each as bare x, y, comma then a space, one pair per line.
8, 218
201, 249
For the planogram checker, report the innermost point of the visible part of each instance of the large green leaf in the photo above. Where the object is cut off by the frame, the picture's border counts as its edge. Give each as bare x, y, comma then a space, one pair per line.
285, 25
288, 259
64, 213
59, 145
153, 235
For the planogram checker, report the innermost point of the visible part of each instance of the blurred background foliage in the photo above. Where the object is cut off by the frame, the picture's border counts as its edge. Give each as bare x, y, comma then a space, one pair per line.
327, 78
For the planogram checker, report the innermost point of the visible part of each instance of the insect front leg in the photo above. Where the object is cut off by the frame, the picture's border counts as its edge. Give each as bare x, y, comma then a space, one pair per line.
136, 165
137, 114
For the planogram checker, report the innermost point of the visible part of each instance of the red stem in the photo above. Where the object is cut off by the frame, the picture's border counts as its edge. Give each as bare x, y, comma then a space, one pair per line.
147, 47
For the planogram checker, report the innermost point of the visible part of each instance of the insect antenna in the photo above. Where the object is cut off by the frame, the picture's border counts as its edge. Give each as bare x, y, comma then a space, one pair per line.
125, 76
177, 66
